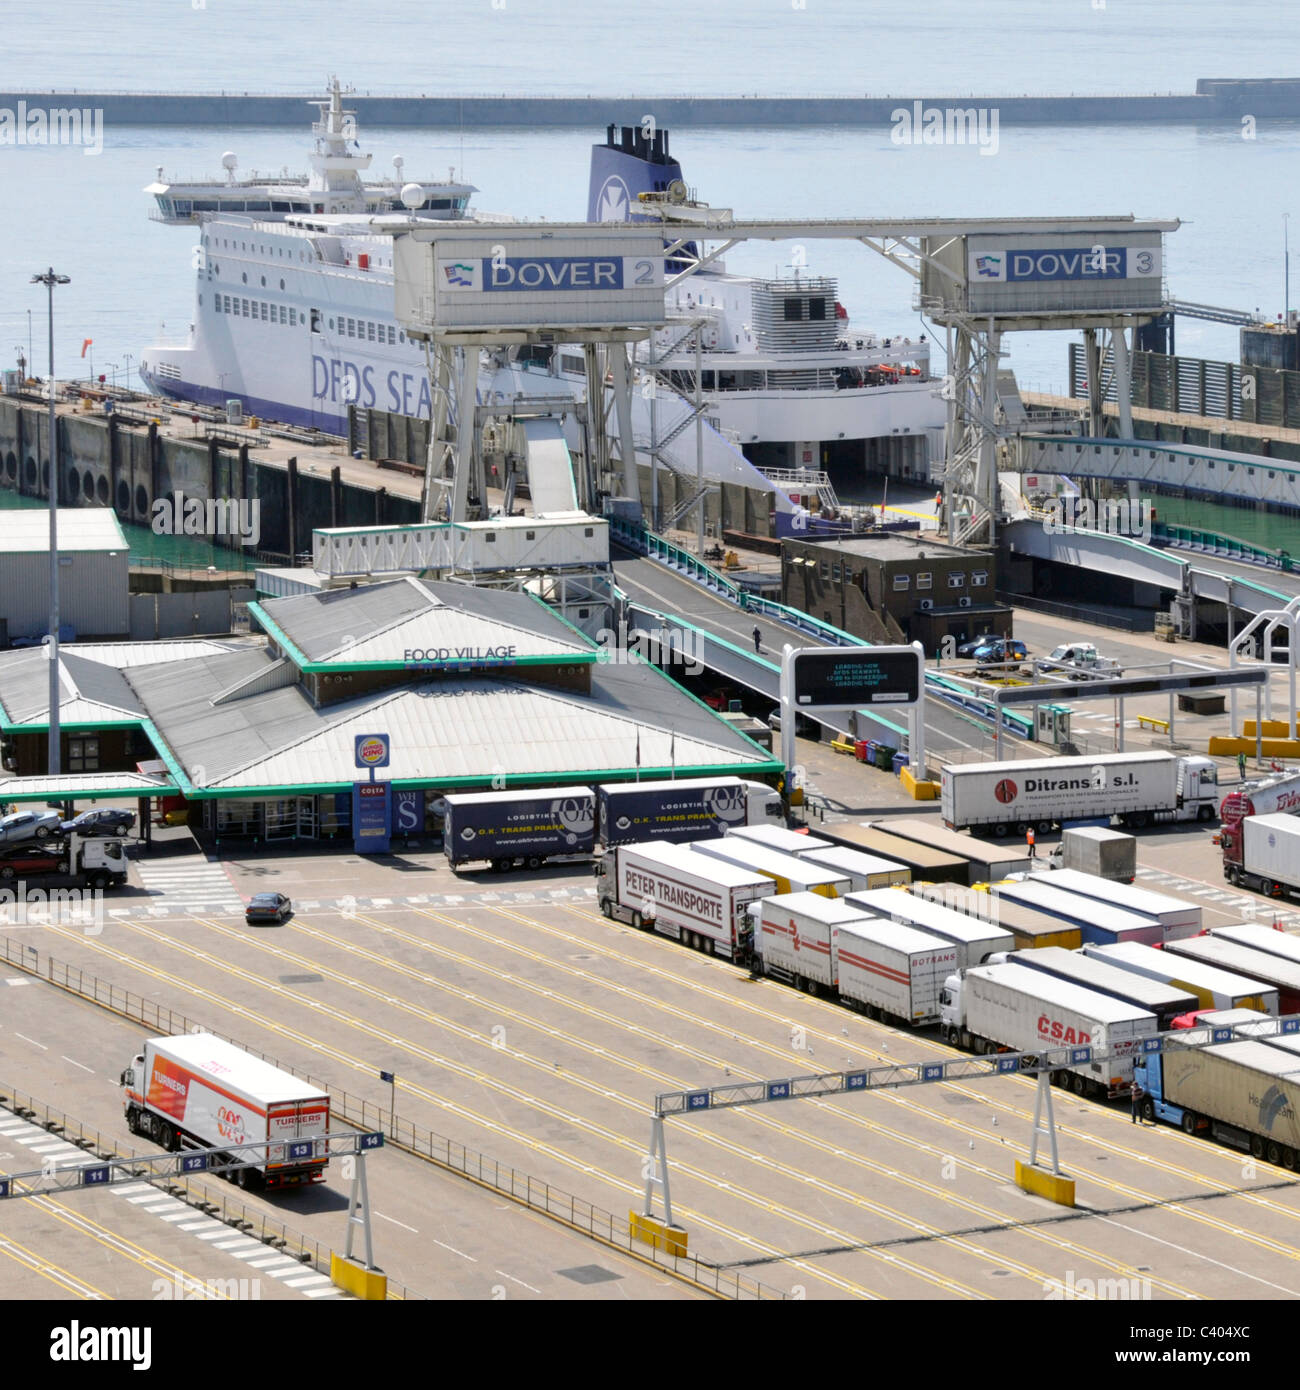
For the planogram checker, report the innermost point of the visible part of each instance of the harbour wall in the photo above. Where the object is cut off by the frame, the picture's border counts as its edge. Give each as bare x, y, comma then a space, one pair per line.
1215, 99
104, 460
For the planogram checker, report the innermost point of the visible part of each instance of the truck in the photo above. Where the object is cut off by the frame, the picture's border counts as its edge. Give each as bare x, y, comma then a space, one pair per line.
984, 862
1283, 975
1096, 921
1000, 1007
1029, 929
779, 838
1261, 798
1165, 1002
1270, 940
1213, 987
1092, 849
791, 875
862, 870
925, 864
657, 886
1176, 916
682, 809
793, 937
975, 940
513, 827
199, 1091
1139, 788
530, 826
1246, 1094
892, 971
1263, 853
81, 861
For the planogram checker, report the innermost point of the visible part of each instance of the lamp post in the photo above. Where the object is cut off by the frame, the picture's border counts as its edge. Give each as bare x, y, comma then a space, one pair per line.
49, 279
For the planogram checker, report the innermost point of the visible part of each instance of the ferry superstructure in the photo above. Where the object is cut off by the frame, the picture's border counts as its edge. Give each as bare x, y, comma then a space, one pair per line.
294, 319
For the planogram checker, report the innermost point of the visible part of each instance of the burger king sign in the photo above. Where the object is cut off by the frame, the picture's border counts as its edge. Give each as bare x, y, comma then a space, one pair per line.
372, 750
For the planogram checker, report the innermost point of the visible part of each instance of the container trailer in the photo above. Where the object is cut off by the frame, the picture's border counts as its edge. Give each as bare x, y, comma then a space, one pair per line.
1213, 987
1092, 849
1166, 1002
985, 862
925, 864
1175, 915
1263, 853
974, 938
793, 936
791, 875
1283, 975
891, 970
1096, 921
863, 871
1029, 929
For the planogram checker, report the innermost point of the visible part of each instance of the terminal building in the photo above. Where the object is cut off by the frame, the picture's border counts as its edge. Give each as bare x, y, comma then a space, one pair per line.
895, 588
476, 688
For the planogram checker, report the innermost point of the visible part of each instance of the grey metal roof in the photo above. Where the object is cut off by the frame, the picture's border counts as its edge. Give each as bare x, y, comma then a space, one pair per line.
101, 684
379, 622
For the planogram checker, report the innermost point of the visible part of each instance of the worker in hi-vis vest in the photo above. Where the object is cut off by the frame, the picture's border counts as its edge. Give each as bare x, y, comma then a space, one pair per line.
1029, 840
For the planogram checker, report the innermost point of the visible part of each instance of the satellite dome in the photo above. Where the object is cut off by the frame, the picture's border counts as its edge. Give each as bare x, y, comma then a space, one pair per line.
412, 195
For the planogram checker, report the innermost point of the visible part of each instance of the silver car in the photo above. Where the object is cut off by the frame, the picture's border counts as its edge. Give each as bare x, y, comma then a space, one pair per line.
28, 825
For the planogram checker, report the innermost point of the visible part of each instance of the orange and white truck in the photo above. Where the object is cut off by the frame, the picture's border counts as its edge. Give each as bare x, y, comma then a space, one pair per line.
198, 1091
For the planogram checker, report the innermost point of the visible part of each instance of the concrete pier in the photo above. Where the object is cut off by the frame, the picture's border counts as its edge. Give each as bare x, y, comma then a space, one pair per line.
1214, 100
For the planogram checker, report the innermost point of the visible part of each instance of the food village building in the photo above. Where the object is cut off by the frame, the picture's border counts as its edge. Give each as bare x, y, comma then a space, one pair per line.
476, 689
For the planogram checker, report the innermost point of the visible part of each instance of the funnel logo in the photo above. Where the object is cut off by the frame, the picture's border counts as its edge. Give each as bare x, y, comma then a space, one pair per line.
989, 267
459, 275
1006, 791
613, 203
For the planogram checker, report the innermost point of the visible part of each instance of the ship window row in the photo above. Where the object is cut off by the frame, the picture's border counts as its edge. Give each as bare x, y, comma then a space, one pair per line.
257, 309
367, 330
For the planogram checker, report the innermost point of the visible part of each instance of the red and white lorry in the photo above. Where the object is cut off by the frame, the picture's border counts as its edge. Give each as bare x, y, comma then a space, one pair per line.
198, 1091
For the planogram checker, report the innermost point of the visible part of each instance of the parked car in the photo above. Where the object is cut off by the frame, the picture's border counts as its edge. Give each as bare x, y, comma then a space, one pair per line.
31, 858
1001, 651
106, 820
268, 907
28, 825
1082, 660
975, 643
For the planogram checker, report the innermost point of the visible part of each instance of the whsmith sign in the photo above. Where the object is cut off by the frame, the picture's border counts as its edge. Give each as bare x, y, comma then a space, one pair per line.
461, 280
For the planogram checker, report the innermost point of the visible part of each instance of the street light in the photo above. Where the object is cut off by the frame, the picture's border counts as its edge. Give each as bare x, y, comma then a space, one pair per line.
49, 279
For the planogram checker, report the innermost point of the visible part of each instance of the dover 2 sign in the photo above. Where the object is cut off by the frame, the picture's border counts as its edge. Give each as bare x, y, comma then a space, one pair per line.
831, 678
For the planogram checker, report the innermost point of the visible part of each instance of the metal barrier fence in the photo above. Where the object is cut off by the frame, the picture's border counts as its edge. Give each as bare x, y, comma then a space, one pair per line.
446, 1153
1213, 543
235, 1214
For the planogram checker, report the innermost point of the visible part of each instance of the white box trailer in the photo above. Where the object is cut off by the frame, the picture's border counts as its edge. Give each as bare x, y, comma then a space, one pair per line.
1270, 854
1261, 938
777, 837
1110, 854
666, 888
1010, 1006
1166, 1002
893, 970
791, 875
1276, 971
793, 936
1096, 921
1003, 797
1215, 988
973, 938
863, 871
1177, 916
199, 1091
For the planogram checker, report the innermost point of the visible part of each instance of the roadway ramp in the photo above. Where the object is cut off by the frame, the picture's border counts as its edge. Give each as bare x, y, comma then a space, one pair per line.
550, 469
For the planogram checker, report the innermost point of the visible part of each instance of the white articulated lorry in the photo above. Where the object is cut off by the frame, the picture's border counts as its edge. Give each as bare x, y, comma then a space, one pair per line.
667, 888
893, 971
1140, 788
793, 936
1010, 1007
198, 1091
974, 938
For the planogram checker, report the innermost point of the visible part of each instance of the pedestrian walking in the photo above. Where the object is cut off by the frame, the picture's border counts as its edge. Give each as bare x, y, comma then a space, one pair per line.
1241, 766
1029, 840
1136, 1096
758, 638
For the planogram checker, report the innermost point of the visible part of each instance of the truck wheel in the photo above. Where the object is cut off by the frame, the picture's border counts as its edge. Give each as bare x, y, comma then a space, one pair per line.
171, 1139
1079, 1084
1149, 1110
954, 1037
534, 861
500, 866
1256, 1146
606, 907
1205, 813
1139, 820
638, 921
1273, 1152
1230, 873
1189, 1122
1043, 827
1288, 1159
243, 1178
133, 1120
1000, 830
99, 880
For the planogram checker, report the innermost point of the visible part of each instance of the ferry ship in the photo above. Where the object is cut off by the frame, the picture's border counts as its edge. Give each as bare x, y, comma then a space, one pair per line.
294, 319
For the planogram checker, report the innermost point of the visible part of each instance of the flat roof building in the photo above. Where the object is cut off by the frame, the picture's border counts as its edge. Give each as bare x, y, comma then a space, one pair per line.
94, 574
